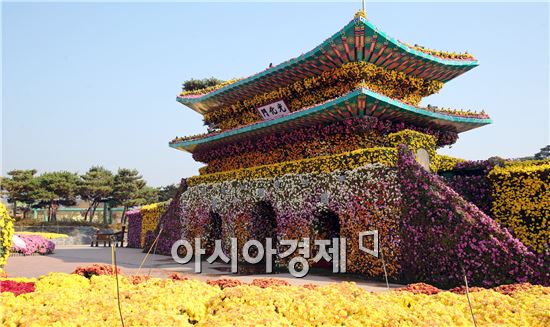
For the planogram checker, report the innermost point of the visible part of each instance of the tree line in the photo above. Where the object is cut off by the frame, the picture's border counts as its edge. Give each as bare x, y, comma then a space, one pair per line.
98, 185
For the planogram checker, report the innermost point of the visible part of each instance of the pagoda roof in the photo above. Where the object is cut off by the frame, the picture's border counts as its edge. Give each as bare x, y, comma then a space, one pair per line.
358, 103
359, 40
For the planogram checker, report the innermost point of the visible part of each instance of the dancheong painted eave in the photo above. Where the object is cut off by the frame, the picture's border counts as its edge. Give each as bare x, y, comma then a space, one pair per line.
359, 103
359, 40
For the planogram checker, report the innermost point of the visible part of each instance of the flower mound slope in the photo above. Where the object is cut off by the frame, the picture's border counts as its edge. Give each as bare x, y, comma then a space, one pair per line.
437, 220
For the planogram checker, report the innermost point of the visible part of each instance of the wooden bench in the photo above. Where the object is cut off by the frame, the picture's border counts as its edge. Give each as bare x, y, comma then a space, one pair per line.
108, 237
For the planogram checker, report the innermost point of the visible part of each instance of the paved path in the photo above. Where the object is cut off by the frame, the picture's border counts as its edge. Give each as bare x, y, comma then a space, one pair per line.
66, 259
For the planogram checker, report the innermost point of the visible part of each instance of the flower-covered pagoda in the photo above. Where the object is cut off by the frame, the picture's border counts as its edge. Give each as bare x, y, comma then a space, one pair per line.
333, 143
358, 72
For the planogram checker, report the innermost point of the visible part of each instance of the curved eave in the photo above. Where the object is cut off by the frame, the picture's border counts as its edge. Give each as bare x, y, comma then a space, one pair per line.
359, 103
359, 40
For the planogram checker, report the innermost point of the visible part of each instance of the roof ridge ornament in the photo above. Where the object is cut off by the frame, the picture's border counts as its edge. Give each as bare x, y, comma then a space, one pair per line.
362, 12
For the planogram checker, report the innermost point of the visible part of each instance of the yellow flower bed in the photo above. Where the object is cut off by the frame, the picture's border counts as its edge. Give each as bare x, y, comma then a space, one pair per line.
415, 141
71, 300
48, 236
446, 163
441, 54
521, 200
322, 164
150, 217
6, 234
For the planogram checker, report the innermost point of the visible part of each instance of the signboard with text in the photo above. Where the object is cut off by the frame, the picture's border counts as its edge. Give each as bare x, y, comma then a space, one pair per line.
274, 110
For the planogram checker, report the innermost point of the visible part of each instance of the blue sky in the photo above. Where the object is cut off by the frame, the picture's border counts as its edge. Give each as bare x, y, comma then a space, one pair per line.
95, 83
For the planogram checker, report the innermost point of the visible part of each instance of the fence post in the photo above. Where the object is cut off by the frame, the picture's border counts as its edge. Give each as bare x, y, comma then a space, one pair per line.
105, 213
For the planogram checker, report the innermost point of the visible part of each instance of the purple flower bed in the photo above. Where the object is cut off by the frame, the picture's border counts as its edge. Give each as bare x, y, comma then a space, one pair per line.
170, 221
134, 228
469, 179
442, 234
34, 244
319, 132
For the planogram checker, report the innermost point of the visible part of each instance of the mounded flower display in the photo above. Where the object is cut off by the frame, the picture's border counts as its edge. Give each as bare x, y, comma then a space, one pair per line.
34, 244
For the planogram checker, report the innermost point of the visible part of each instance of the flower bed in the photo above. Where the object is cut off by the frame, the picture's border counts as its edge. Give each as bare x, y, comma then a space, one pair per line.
327, 85
344, 161
306, 142
441, 54
6, 234
170, 221
15, 287
208, 89
48, 236
34, 244
96, 269
514, 193
469, 179
447, 163
134, 228
143, 223
150, 215
75, 300
521, 193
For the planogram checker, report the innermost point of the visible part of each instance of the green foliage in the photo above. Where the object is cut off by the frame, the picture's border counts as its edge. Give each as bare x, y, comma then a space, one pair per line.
127, 186
96, 184
147, 195
55, 188
21, 186
58, 186
197, 84
168, 192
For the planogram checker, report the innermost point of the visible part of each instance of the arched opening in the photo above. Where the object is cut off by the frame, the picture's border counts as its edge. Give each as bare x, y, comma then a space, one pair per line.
263, 225
213, 231
326, 226
264, 222
215, 226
